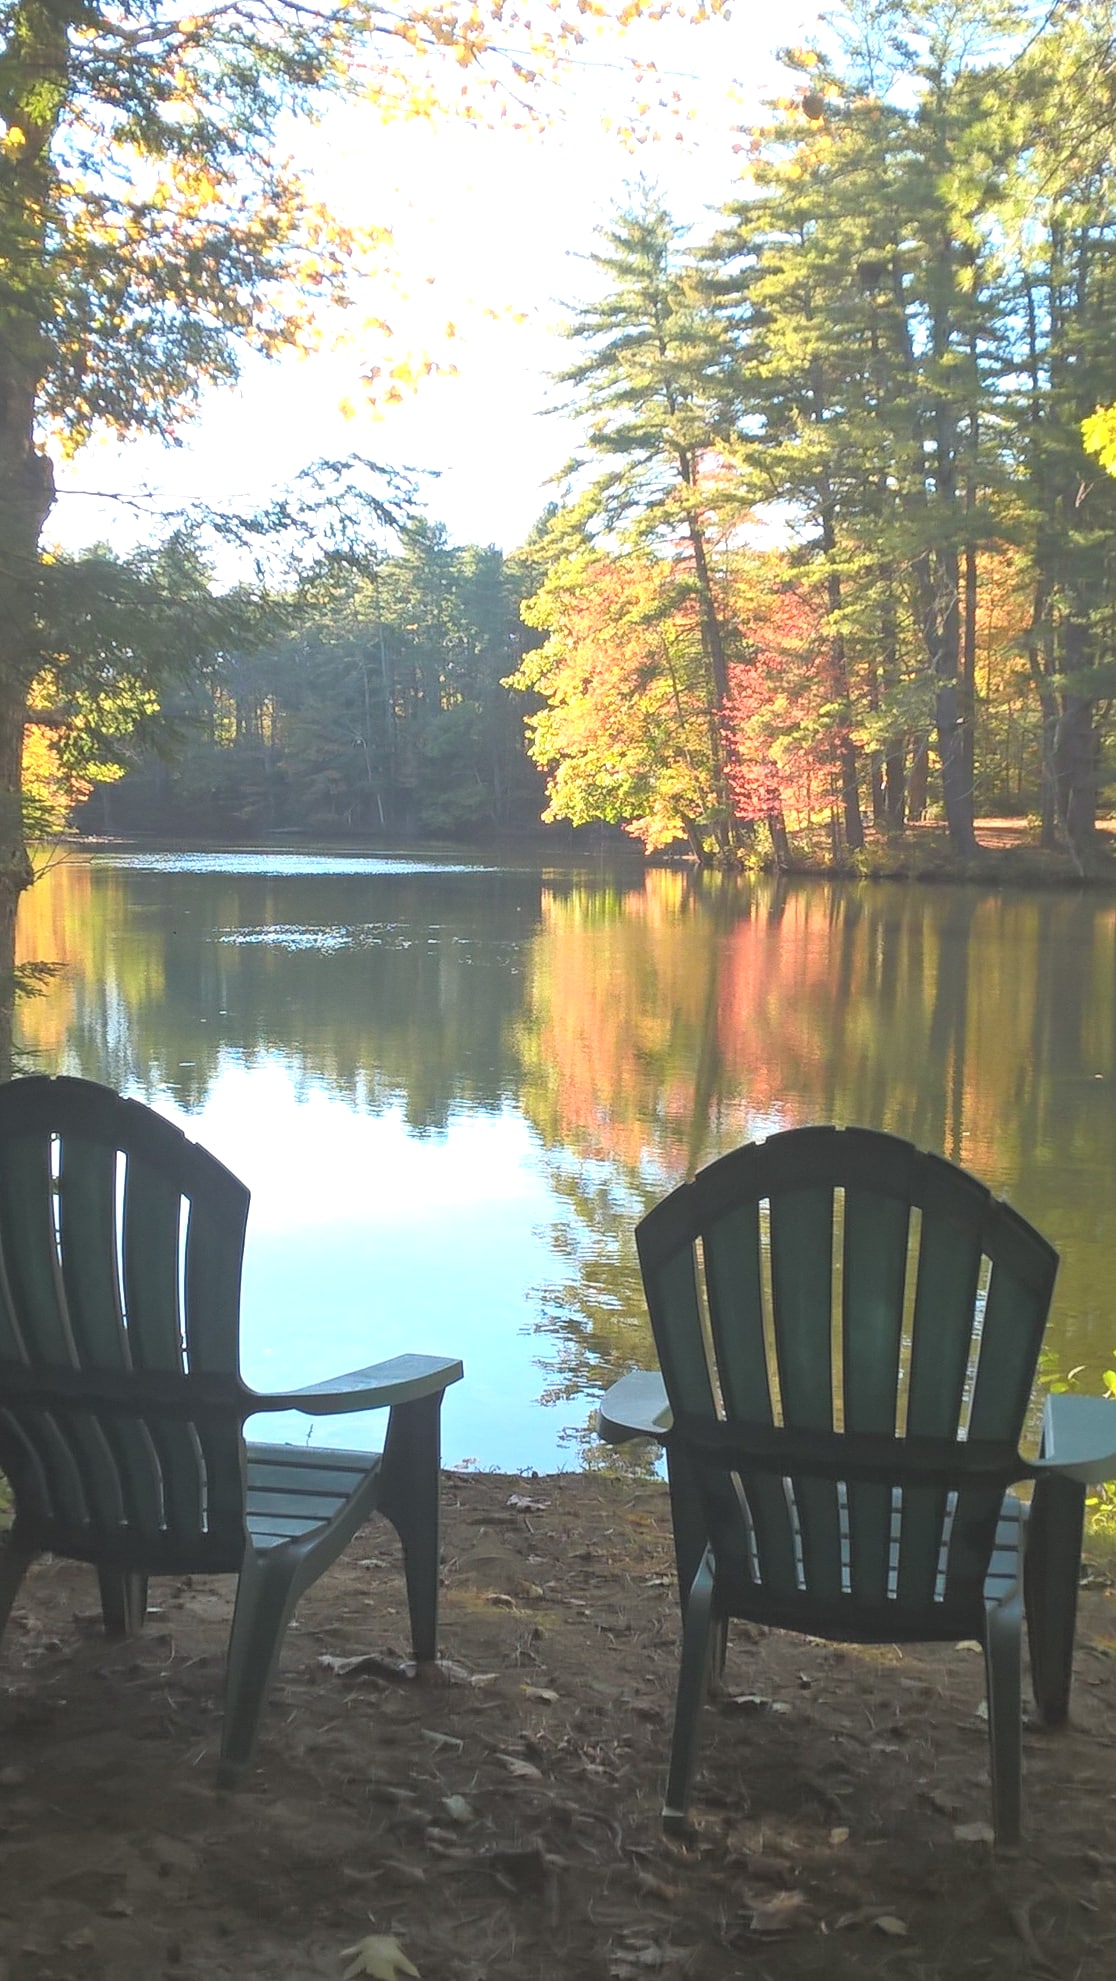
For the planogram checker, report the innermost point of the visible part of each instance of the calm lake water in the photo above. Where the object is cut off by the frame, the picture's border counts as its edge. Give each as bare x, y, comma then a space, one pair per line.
453, 1086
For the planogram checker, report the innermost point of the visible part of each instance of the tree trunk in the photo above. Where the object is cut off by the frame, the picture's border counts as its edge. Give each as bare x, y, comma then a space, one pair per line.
919, 777
1076, 755
875, 760
940, 621
894, 757
780, 845
967, 681
847, 769
713, 648
35, 62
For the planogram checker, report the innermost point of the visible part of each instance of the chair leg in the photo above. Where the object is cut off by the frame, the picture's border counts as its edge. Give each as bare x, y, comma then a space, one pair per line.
687, 1521
1003, 1640
410, 1497
693, 1679
123, 1600
14, 1564
1052, 1568
718, 1652
266, 1594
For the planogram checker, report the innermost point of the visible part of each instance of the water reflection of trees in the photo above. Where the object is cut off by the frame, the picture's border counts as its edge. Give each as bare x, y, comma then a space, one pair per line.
390, 991
979, 1025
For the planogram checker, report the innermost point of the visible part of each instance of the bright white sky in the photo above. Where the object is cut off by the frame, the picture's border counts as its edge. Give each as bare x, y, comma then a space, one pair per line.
490, 228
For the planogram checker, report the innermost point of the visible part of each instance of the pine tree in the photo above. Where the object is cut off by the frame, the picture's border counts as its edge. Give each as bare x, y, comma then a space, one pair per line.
654, 388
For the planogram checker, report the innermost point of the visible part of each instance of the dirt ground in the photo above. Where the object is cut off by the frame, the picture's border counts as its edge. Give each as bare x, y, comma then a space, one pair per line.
503, 1824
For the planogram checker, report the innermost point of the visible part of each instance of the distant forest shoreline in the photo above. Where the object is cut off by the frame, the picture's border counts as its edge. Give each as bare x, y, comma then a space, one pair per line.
1008, 851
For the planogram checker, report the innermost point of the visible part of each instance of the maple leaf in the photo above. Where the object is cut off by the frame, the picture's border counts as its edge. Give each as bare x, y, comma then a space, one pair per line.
380, 1955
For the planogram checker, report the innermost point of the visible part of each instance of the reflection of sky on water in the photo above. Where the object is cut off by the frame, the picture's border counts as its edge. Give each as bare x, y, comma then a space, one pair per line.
365, 1241
287, 865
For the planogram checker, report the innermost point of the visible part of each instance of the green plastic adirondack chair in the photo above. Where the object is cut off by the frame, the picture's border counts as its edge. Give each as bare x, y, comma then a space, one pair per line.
847, 1332
122, 1406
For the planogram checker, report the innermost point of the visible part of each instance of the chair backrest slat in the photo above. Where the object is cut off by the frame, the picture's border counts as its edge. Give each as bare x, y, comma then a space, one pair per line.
140, 1474
871, 1520
671, 1277
29, 1245
152, 1294
733, 1273
921, 1513
211, 1281
875, 1254
88, 1251
1012, 1324
802, 1289
824, 1561
55, 1466
953, 1208
874, 1275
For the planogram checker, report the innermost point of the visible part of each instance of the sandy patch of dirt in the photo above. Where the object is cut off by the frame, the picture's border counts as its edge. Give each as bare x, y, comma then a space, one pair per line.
504, 1825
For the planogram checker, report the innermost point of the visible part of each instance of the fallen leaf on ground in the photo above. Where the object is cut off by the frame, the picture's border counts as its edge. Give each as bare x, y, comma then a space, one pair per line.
779, 1913
379, 1955
457, 1808
443, 1671
656, 1887
540, 1692
870, 1915
369, 1664
640, 1960
974, 1833
523, 1770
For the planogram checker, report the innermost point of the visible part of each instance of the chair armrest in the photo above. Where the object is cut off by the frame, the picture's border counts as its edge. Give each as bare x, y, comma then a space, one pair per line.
635, 1407
1078, 1439
401, 1379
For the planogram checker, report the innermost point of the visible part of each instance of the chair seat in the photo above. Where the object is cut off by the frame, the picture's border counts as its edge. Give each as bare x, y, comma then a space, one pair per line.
295, 1489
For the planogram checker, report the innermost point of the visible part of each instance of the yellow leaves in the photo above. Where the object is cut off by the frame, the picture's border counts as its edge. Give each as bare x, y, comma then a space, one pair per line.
799, 58
391, 386
1098, 432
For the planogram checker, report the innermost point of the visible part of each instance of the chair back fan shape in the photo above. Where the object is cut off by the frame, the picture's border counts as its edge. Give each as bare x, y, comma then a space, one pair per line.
848, 1331
120, 1259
